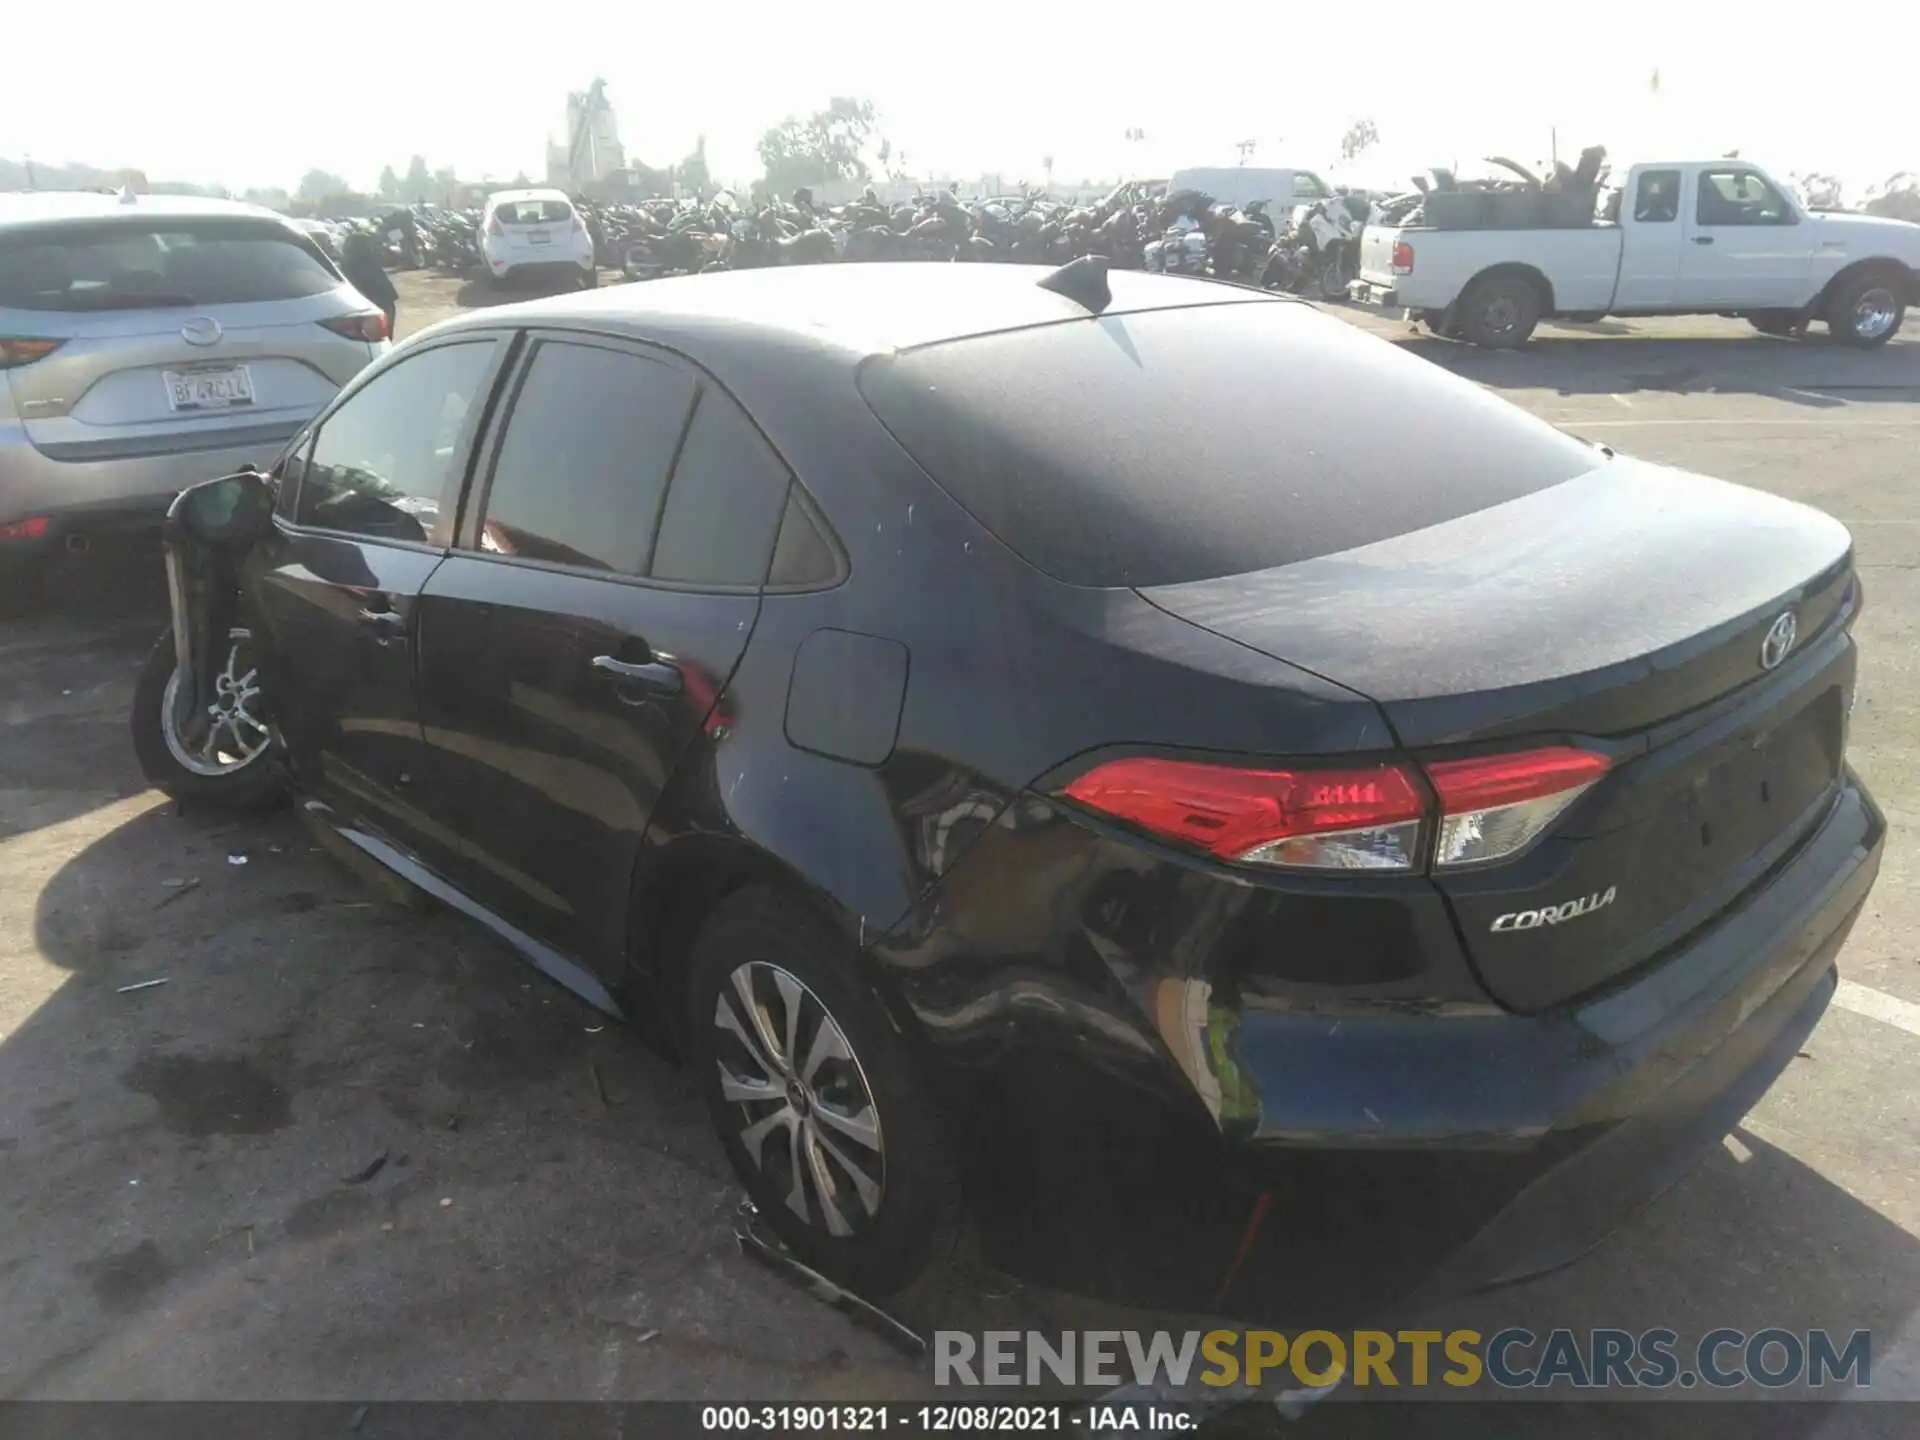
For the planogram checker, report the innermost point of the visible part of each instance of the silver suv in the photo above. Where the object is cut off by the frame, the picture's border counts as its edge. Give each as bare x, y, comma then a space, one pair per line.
147, 342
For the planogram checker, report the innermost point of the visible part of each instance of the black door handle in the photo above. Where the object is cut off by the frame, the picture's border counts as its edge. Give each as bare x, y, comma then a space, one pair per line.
1703, 239
655, 675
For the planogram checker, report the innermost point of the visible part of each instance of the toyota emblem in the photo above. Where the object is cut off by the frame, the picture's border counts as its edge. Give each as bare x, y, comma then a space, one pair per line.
1780, 637
201, 330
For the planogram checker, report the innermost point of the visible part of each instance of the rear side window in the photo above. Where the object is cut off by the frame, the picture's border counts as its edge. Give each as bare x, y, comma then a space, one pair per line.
1307, 186
1173, 445
130, 266
725, 503
381, 464
802, 556
583, 465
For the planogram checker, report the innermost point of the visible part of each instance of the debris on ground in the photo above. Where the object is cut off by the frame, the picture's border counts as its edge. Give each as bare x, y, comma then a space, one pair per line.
175, 889
140, 985
236, 859
372, 1168
446, 1201
599, 1085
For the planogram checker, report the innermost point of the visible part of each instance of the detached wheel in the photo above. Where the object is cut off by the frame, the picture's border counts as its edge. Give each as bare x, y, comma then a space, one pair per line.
1866, 311
225, 762
1500, 312
817, 1103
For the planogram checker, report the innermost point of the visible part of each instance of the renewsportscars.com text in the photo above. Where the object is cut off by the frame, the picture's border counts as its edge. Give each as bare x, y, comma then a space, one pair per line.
1514, 1358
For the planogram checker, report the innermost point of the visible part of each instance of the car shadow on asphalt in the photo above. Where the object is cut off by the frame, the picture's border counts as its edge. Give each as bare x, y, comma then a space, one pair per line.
66, 752
373, 1132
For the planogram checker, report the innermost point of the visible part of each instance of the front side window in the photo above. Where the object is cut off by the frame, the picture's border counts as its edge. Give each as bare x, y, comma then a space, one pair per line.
583, 464
1740, 197
381, 464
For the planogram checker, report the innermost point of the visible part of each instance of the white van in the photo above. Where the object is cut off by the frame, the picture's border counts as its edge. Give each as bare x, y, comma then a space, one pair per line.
1243, 184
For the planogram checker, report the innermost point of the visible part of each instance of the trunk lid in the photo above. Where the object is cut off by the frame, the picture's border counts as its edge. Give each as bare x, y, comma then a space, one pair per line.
1625, 611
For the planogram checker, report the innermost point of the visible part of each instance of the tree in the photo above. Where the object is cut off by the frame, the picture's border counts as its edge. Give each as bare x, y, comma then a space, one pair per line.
1898, 197
318, 184
827, 145
1360, 135
1820, 191
389, 183
418, 181
692, 171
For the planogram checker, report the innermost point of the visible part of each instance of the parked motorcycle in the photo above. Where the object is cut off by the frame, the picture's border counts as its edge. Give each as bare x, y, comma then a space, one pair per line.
1325, 244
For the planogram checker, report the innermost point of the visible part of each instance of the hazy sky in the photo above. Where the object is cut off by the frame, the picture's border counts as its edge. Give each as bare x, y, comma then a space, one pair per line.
255, 94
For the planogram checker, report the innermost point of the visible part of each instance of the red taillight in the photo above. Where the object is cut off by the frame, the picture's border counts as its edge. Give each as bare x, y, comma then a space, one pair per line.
371, 327
1494, 806
25, 351
1360, 818
494, 227
1402, 258
1357, 818
34, 527
579, 226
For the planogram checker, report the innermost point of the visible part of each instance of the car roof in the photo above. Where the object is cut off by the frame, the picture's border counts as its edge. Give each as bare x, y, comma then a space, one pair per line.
855, 309
52, 207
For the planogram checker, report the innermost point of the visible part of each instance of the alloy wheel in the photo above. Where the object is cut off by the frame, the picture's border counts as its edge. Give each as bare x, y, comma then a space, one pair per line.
807, 1120
236, 733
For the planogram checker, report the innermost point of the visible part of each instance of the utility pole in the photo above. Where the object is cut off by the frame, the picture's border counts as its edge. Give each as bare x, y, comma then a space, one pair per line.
1246, 149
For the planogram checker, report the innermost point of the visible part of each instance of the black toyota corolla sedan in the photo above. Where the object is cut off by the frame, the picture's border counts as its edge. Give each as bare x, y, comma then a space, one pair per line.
1241, 809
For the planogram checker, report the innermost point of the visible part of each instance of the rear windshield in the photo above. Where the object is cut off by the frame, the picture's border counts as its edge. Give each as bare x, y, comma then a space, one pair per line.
535, 212
1175, 445
130, 266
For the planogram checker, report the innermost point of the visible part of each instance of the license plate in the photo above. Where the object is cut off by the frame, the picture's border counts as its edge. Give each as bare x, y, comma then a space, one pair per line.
225, 387
538, 237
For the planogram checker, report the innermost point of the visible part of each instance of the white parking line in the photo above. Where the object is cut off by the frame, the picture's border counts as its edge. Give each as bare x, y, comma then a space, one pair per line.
1877, 1005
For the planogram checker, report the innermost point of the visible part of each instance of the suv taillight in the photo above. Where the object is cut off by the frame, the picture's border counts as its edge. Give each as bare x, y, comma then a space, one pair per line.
372, 327
1402, 258
14, 352
1347, 818
494, 227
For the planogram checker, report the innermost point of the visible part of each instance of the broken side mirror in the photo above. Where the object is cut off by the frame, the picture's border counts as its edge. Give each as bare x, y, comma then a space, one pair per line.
230, 512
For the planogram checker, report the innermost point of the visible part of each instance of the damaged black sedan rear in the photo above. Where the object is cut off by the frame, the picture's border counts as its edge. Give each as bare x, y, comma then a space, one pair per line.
1262, 814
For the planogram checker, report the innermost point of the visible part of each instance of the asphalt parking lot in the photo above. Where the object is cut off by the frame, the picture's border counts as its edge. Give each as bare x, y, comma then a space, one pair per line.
356, 1150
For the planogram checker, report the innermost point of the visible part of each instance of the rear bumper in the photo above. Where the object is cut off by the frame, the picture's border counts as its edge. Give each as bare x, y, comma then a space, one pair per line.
115, 491
1388, 1155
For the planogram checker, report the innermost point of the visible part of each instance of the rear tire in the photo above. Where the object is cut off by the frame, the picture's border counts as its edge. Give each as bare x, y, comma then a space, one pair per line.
1866, 311
252, 784
872, 1230
1499, 312
590, 279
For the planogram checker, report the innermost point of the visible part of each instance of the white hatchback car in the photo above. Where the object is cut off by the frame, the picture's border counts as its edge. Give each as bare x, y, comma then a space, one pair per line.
525, 233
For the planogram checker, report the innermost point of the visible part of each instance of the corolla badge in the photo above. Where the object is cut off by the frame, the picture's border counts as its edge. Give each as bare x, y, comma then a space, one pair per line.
201, 330
1780, 637
1555, 914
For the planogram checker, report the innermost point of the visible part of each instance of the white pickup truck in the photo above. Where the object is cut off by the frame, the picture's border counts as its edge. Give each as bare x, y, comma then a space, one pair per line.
1692, 237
